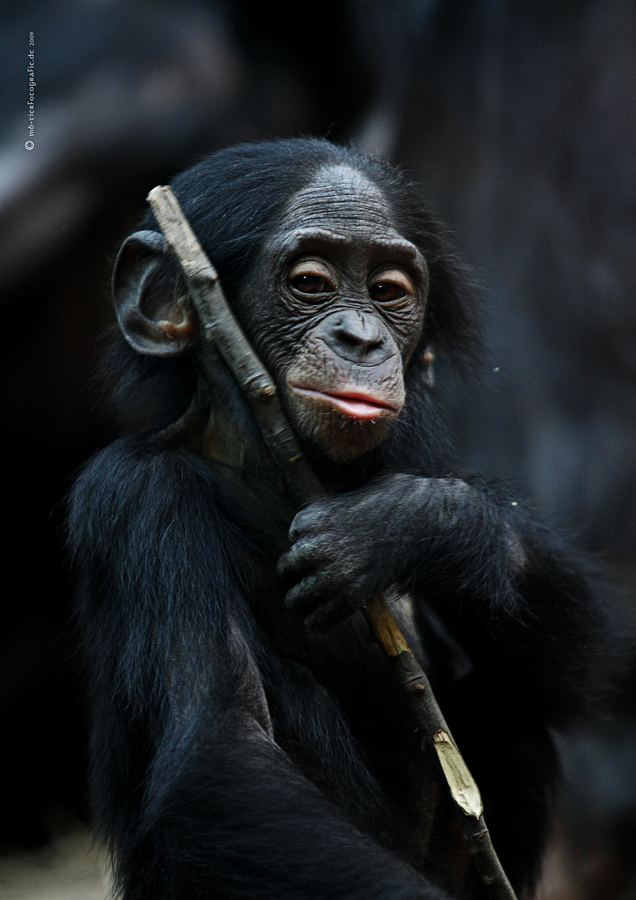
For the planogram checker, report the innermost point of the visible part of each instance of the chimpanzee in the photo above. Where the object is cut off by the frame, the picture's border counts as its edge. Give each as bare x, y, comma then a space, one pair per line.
249, 737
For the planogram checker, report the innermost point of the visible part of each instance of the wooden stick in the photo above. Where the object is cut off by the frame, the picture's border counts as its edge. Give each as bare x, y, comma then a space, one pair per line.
432, 725
221, 329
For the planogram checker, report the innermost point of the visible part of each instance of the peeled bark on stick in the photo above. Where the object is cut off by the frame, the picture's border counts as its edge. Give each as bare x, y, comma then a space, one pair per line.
221, 329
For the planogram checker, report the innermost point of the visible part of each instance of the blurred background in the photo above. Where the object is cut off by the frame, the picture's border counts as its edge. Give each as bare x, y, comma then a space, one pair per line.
518, 116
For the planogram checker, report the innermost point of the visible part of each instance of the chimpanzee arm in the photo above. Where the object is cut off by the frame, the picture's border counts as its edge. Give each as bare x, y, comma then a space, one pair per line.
511, 589
191, 790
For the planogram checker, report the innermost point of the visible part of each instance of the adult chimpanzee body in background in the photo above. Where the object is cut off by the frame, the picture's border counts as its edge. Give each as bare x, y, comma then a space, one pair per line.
248, 736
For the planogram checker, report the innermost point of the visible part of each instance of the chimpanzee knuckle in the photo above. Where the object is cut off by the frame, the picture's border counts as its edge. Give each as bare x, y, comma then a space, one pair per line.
286, 565
295, 532
323, 547
303, 557
318, 548
301, 599
303, 523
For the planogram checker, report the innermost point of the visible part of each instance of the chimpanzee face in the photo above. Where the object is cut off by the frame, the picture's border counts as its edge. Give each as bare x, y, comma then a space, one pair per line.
334, 305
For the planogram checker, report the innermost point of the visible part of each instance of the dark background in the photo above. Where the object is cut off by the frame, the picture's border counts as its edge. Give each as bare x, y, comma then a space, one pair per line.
520, 120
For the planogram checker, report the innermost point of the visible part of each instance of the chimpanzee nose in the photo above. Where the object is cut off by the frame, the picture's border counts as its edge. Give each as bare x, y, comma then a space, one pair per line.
356, 336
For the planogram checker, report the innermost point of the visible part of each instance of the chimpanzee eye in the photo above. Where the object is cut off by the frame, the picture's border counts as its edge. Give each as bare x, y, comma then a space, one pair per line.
391, 284
311, 276
383, 291
310, 284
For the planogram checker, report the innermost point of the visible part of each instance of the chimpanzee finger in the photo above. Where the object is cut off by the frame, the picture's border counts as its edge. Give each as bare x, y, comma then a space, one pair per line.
329, 615
305, 520
305, 596
303, 559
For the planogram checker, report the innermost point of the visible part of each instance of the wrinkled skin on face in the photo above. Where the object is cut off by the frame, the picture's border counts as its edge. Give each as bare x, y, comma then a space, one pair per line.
339, 285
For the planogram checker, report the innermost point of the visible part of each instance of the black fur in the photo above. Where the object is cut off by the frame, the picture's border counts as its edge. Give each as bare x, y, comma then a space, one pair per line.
233, 755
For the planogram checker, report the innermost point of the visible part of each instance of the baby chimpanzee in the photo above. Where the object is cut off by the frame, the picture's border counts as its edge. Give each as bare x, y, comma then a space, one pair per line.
249, 739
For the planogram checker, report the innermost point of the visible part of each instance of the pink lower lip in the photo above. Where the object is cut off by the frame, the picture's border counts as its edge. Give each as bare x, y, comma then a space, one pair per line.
358, 405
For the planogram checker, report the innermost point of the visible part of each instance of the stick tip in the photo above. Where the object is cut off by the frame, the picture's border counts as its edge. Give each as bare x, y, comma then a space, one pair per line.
156, 192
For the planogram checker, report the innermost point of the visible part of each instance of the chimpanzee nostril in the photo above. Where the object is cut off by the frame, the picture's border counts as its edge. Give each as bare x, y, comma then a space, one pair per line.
348, 338
357, 337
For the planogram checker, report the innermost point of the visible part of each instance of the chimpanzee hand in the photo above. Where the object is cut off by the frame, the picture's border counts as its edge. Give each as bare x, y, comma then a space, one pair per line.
348, 548
400, 529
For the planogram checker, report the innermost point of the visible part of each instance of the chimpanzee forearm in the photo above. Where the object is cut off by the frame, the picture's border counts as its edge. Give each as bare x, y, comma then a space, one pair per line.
511, 590
418, 532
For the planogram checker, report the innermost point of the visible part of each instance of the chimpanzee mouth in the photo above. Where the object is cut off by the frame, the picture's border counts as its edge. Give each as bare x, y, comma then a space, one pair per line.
356, 404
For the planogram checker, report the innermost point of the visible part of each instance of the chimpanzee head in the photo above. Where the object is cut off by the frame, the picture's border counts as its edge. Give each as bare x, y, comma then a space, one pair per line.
338, 273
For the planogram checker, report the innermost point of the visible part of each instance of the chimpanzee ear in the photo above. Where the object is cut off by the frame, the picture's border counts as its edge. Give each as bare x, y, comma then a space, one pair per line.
152, 307
427, 360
